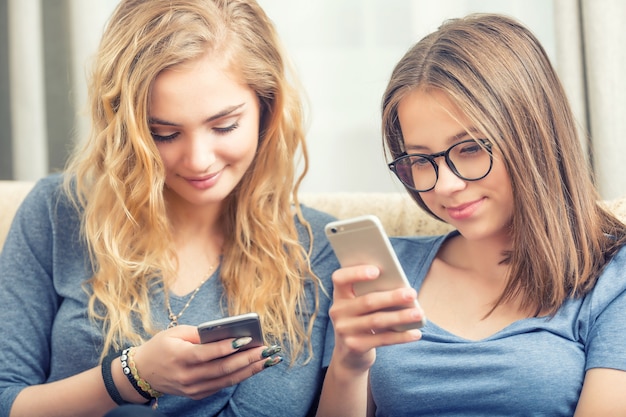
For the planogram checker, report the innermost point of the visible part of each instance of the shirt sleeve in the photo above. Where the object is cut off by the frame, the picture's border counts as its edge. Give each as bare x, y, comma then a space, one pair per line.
28, 301
606, 307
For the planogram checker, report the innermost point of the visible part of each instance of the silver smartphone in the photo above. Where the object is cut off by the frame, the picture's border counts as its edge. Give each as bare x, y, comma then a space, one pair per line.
362, 240
233, 327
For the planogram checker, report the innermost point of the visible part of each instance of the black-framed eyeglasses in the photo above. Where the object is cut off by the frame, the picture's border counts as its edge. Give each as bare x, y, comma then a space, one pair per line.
470, 160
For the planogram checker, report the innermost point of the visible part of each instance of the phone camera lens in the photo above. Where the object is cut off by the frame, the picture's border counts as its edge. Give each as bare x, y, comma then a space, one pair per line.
333, 230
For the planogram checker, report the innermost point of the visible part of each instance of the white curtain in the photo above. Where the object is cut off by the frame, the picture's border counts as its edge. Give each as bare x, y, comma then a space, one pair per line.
344, 51
26, 81
591, 60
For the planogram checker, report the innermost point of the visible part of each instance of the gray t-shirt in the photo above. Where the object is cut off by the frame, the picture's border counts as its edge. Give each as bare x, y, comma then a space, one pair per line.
47, 336
533, 367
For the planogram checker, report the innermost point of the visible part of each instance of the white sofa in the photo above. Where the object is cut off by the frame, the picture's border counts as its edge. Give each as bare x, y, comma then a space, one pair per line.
397, 211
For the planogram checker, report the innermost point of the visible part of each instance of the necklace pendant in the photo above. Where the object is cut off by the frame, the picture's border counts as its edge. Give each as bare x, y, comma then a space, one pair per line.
174, 317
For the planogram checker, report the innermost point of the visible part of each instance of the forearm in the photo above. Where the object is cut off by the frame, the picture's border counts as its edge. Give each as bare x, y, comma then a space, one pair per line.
344, 393
83, 394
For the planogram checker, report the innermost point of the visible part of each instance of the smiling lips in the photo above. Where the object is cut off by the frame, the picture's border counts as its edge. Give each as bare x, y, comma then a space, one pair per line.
205, 182
464, 211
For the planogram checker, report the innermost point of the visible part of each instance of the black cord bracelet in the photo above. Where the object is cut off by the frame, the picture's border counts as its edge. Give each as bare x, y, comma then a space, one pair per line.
107, 376
127, 371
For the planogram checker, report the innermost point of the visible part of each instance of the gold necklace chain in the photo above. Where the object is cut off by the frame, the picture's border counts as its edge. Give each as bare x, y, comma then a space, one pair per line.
174, 317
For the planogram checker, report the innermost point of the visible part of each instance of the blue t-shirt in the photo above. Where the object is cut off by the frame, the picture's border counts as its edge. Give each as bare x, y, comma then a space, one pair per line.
533, 367
47, 336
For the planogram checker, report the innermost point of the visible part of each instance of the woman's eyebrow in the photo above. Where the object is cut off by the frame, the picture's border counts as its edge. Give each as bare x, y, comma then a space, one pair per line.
452, 139
225, 112
462, 134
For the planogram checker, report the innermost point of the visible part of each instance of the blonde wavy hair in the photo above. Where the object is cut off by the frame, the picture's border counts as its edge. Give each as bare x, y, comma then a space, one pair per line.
498, 74
116, 177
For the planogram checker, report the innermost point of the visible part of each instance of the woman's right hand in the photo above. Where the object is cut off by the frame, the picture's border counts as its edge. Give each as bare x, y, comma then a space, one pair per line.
362, 323
174, 362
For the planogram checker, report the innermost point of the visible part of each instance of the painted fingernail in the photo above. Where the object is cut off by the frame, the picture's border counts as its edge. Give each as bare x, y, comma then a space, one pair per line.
241, 341
272, 350
274, 360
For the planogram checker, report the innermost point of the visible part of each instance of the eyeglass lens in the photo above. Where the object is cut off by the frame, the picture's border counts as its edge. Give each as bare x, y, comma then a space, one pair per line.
469, 160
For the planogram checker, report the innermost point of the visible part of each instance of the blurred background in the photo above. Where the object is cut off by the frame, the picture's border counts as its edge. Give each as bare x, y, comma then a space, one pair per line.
343, 50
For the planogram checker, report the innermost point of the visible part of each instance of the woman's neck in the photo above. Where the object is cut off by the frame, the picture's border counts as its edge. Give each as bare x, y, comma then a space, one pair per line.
198, 238
484, 257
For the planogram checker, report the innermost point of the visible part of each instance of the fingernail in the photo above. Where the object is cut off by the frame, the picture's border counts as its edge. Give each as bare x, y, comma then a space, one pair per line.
416, 334
272, 350
275, 360
372, 272
241, 341
409, 294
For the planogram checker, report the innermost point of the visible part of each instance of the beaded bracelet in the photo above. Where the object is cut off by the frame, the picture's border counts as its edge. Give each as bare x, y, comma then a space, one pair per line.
129, 375
107, 376
130, 370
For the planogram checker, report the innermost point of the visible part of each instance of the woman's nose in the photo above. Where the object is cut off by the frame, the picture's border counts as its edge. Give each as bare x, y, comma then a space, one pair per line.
200, 152
447, 181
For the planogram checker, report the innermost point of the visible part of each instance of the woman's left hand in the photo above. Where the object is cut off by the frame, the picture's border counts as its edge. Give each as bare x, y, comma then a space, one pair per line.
174, 362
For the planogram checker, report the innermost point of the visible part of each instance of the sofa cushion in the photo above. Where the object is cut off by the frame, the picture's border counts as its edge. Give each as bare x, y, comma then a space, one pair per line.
398, 212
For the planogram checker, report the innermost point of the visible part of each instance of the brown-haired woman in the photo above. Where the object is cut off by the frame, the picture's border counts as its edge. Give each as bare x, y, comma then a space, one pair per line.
525, 299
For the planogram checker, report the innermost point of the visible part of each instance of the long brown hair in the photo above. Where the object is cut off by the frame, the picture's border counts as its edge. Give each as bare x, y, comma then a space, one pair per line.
117, 175
499, 75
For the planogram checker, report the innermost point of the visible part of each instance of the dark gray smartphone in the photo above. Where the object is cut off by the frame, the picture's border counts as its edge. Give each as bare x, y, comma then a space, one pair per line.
362, 240
233, 327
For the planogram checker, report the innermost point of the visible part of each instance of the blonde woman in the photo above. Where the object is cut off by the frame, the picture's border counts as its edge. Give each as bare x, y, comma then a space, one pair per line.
525, 300
177, 210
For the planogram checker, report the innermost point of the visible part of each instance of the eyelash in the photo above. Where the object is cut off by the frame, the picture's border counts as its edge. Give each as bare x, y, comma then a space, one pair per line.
164, 139
227, 129
218, 130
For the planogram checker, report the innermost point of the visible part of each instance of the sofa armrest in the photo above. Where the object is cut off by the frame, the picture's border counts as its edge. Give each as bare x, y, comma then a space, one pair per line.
11, 195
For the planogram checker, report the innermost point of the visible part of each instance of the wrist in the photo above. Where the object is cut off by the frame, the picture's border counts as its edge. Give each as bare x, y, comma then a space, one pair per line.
110, 382
129, 368
345, 371
125, 388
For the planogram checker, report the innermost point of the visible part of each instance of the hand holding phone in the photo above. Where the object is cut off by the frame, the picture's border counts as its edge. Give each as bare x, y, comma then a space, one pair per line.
362, 240
243, 325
